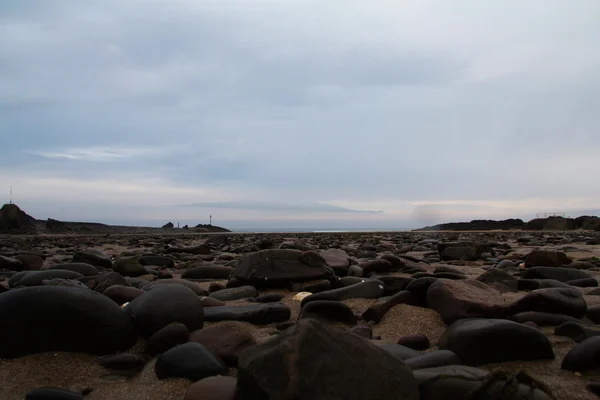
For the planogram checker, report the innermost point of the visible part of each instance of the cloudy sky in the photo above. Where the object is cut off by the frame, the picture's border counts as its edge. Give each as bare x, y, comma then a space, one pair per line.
299, 113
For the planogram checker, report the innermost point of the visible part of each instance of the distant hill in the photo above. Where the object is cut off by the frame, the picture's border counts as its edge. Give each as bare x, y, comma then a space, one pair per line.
15, 221
551, 223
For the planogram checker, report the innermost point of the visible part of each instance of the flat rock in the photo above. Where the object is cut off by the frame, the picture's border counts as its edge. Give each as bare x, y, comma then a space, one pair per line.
437, 358
397, 350
227, 340
254, 313
93, 257
123, 361
208, 272
36, 278
455, 300
328, 310
368, 289
162, 305
542, 318
459, 253
52, 318
486, 341
242, 292
160, 261
546, 258
278, 267
190, 360
559, 274
284, 367
565, 301
576, 331
183, 282
500, 280
337, 259
416, 341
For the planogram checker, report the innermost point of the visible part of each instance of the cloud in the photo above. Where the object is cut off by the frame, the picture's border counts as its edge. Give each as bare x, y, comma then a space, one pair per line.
283, 111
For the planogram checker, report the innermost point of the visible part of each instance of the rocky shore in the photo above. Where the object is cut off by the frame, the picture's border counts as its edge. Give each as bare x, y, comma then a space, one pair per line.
405, 315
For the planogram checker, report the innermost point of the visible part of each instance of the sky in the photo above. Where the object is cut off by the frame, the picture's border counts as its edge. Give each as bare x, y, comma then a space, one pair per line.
299, 113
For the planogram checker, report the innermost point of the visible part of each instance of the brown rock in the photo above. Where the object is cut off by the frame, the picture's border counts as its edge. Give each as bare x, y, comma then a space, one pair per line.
226, 339
31, 262
546, 258
456, 299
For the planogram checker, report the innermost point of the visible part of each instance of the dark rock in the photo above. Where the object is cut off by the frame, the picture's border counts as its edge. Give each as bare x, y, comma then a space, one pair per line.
160, 261
35, 278
375, 266
416, 341
393, 284
438, 358
576, 331
105, 281
542, 318
311, 287
227, 340
166, 338
269, 298
381, 306
74, 283
585, 282
208, 272
485, 341
419, 287
546, 258
565, 301
397, 262
593, 313
559, 274
181, 282
459, 253
160, 306
213, 388
93, 257
82, 268
505, 264
129, 266
210, 302
190, 360
284, 365
337, 259
123, 361
253, 313
50, 393
215, 287
447, 268
201, 249
347, 281
122, 294
449, 275
281, 267
242, 292
29, 262
533, 284
584, 356
455, 300
12, 264
581, 265
499, 280
399, 351
356, 271
50, 318
369, 289
328, 310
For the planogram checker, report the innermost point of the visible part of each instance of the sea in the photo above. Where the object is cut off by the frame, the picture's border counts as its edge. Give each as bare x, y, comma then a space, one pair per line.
319, 230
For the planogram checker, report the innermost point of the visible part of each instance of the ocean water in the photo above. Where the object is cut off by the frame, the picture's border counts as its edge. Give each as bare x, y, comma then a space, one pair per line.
317, 230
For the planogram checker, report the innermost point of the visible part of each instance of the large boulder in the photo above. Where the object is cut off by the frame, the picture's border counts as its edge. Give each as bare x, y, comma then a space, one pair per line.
457, 299
485, 341
53, 318
337, 259
162, 305
546, 258
277, 267
284, 367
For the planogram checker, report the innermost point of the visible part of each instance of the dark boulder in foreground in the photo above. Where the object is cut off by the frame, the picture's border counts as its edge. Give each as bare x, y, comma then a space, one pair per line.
267, 268
162, 305
52, 318
284, 367
485, 341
